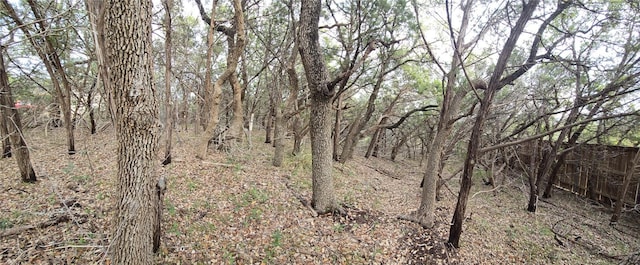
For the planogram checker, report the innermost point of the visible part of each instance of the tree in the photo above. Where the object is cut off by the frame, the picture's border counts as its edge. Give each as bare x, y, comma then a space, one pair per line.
11, 119
168, 102
43, 42
450, 106
127, 36
497, 82
235, 48
323, 198
6, 143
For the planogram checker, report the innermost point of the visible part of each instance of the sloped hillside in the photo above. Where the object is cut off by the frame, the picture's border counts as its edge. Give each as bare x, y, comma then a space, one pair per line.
235, 208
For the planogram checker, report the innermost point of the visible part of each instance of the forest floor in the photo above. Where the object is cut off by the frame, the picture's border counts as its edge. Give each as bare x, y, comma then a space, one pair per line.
235, 208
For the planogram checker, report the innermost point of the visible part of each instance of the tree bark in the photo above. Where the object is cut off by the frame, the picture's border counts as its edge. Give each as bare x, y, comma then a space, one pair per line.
11, 119
269, 122
323, 198
130, 63
279, 131
168, 101
92, 116
4, 134
531, 176
235, 128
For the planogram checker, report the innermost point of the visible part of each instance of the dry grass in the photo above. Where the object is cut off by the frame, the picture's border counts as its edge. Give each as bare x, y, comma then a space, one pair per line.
235, 208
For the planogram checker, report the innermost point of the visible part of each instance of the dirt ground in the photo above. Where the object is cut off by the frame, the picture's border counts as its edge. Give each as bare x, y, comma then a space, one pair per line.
235, 208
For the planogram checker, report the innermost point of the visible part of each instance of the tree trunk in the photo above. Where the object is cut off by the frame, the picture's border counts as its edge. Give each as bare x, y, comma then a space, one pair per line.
635, 167
269, 122
337, 130
235, 128
130, 63
323, 198
232, 64
533, 189
427, 207
279, 131
298, 134
474, 142
351, 140
11, 119
278, 138
396, 148
4, 134
359, 123
168, 102
92, 116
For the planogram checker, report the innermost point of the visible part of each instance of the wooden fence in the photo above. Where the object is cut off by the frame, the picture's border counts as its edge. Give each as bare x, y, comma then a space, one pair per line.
591, 170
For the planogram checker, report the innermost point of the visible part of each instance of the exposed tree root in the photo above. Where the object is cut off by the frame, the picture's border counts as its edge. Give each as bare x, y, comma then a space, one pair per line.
412, 218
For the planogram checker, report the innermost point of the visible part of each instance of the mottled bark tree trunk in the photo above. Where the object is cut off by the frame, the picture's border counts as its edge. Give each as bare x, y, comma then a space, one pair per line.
235, 128
323, 198
235, 50
130, 63
11, 119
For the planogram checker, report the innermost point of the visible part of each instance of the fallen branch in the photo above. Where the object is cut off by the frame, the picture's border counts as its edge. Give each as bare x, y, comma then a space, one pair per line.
302, 200
51, 222
219, 164
384, 172
485, 191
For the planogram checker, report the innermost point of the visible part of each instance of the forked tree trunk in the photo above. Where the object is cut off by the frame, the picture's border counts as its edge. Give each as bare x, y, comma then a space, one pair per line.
130, 63
11, 119
323, 198
232, 64
168, 101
